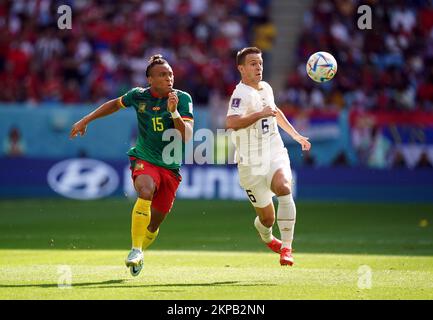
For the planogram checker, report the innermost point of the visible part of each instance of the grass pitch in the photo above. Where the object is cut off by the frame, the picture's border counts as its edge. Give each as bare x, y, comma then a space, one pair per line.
178, 275
210, 250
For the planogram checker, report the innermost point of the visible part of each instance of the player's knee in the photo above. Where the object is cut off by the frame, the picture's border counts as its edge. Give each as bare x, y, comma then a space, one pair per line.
283, 189
145, 187
145, 192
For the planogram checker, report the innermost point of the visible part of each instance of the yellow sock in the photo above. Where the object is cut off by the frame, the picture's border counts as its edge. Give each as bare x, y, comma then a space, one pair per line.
140, 221
149, 238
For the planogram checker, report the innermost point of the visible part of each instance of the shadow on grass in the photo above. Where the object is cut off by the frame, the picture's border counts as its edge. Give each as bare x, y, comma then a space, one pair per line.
211, 284
55, 285
114, 284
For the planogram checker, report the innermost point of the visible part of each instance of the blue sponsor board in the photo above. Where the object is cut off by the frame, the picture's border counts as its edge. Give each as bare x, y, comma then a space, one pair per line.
86, 179
82, 178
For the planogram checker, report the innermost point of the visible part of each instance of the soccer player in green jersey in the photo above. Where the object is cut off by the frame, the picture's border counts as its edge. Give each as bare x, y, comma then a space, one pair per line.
158, 108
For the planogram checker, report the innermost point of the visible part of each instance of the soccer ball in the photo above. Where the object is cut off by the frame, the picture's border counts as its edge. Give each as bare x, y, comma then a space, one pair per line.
321, 66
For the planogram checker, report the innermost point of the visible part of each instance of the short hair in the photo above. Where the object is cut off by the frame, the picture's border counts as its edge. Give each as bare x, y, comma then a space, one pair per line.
242, 54
154, 60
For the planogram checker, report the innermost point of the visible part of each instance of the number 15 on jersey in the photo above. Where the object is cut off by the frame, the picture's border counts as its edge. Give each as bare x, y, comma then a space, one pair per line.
158, 125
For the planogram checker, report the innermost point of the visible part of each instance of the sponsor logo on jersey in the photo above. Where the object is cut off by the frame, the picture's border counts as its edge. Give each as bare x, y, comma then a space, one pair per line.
141, 107
83, 179
236, 103
156, 108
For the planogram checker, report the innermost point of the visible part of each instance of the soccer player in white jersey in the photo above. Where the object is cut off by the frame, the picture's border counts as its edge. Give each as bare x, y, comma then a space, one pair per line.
263, 161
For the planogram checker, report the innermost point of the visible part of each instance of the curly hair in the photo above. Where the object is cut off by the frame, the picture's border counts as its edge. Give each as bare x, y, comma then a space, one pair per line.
154, 60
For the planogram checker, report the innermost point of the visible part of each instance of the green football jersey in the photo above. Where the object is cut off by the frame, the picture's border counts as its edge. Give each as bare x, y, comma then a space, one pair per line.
153, 120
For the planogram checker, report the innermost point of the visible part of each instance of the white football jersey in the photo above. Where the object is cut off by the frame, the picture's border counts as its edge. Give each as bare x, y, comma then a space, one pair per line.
262, 138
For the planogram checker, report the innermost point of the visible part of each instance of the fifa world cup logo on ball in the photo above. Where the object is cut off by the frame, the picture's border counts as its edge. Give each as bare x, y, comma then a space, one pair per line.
321, 66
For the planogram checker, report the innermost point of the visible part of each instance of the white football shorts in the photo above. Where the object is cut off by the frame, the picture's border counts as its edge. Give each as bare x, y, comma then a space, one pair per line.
258, 186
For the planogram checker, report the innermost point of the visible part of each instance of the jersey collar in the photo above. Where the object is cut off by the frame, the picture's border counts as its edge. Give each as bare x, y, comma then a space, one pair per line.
154, 95
251, 88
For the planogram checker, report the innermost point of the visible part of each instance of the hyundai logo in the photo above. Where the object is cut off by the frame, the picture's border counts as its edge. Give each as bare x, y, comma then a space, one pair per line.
83, 179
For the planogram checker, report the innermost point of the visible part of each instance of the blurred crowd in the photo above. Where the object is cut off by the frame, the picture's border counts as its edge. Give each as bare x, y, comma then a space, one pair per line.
386, 68
107, 50
389, 67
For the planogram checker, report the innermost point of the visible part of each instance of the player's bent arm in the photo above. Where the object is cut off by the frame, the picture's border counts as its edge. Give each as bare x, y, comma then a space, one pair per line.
285, 124
237, 122
105, 109
185, 127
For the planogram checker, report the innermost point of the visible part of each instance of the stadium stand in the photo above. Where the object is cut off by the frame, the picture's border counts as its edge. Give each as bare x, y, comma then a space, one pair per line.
383, 89
106, 51
389, 67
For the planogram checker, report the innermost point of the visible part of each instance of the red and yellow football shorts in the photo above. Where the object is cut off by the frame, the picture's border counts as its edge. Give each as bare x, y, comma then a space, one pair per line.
166, 183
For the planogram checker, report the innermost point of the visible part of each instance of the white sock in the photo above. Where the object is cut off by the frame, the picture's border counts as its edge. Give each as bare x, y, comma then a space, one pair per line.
286, 218
265, 232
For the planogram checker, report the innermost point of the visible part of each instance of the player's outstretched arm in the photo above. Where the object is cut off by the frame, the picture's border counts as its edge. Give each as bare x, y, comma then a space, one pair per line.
286, 126
237, 122
105, 109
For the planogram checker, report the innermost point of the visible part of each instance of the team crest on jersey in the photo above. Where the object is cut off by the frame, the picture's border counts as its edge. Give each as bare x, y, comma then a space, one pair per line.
141, 107
139, 166
236, 103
